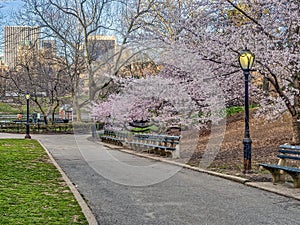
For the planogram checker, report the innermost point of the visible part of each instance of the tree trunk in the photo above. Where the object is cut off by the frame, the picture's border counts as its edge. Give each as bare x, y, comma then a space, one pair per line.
46, 120
296, 130
53, 116
76, 108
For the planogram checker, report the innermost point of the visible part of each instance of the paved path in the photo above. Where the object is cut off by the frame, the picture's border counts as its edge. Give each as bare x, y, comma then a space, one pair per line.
129, 190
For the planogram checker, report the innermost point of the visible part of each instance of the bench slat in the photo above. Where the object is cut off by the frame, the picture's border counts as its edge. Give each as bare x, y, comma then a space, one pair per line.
288, 157
153, 146
285, 168
289, 152
289, 147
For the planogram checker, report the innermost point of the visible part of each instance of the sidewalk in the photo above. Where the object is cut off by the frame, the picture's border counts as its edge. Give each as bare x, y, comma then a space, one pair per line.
286, 190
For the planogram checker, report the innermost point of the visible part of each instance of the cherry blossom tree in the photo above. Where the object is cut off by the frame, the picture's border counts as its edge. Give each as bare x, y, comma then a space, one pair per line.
271, 30
216, 33
178, 96
204, 42
153, 99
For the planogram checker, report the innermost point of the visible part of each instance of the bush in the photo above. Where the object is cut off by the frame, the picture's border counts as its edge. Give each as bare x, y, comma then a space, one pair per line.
234, 110
144, 129
36, 129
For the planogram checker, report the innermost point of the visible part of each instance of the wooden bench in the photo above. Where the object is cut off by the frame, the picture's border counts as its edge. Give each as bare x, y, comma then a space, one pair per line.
289, 159
164, 145
114, 137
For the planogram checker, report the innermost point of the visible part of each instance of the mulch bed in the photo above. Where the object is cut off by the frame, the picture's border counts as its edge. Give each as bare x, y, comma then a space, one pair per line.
266, 137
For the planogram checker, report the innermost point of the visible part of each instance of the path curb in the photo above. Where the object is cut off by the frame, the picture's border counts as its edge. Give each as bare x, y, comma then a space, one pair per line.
84, 206
273, 189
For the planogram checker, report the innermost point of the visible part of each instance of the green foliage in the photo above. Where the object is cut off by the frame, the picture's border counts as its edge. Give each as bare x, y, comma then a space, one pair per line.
234, 110
237, 109
37, 129
31, 189
9, 109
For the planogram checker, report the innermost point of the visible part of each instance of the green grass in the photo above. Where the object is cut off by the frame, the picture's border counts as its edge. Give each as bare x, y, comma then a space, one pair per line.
32, 191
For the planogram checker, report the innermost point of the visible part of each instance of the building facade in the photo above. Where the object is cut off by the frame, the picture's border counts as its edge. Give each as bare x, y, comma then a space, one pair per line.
49, 48
3, 70
102, 48
16, 37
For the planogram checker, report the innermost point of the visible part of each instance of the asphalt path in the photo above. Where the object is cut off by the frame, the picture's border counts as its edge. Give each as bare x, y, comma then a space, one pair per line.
125, 189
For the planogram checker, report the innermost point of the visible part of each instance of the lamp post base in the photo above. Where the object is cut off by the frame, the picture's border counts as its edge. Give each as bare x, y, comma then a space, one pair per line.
247, 155
27, 136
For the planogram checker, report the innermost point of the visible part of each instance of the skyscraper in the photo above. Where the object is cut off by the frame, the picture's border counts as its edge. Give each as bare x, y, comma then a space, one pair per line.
16, 36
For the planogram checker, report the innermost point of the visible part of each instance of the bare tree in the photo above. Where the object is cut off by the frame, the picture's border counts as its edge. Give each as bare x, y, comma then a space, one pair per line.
76, 25
40, 75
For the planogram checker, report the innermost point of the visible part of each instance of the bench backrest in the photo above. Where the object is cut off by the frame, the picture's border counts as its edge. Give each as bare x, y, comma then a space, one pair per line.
289, 152
157, 139
109, 133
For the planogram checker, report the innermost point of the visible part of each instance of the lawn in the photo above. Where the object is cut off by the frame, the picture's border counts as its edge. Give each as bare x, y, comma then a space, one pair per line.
32, 191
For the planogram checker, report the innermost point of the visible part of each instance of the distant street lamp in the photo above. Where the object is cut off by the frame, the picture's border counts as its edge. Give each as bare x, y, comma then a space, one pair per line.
246, 59
27, 96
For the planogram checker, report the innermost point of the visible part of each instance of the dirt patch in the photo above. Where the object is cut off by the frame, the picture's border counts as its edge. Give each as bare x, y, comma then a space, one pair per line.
266, 137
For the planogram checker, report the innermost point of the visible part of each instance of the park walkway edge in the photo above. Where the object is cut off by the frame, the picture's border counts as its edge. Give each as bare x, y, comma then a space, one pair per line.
84, 206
